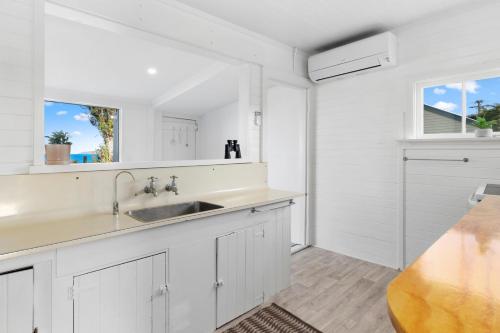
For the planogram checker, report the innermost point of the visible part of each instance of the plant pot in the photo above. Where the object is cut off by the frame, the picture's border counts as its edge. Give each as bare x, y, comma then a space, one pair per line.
484, 132
58, 154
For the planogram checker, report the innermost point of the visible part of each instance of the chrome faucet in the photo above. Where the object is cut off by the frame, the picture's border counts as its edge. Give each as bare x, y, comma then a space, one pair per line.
172, 187
116, 208
152, 188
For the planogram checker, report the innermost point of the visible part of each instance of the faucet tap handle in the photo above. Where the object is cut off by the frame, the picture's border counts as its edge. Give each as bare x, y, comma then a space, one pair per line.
153, 179
172, 187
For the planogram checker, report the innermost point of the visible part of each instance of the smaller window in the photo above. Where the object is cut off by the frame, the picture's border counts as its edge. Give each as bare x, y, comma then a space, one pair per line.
450, 109
93, 130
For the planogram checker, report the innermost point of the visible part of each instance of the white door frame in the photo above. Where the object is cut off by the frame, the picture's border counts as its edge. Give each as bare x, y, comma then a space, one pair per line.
273, 78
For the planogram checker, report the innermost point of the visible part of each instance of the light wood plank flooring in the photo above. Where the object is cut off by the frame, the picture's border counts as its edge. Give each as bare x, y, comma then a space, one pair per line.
336, 293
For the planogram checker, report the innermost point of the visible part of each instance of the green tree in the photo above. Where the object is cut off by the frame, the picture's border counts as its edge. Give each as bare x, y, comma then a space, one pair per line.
103, 119
488, 112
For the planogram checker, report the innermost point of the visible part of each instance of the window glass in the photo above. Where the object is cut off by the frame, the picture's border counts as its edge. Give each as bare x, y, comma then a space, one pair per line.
443, 109
92, 130
483, 100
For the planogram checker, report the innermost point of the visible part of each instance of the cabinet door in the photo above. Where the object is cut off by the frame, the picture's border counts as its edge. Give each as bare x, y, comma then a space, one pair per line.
192, 289
277, 251
16, 302
130, 297
239, 273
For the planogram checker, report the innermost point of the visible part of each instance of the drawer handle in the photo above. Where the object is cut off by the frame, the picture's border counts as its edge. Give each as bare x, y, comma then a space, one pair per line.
255, 210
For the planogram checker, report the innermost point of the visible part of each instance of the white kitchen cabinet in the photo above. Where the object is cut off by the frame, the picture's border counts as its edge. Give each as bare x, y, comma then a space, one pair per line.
130, 297
102, 286
16, 301
277, 247
192, 289
240, 279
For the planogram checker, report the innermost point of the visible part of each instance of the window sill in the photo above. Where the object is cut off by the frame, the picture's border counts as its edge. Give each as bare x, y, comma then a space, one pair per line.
87, 167
467, 140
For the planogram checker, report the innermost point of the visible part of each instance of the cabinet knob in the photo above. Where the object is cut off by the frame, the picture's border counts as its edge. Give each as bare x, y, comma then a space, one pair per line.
219, 283
163, 289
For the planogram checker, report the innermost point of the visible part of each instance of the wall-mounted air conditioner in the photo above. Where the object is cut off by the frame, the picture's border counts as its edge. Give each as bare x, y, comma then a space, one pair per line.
364, 55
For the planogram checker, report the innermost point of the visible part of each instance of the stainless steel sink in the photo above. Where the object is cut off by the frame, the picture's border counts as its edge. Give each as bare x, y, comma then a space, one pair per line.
169, 211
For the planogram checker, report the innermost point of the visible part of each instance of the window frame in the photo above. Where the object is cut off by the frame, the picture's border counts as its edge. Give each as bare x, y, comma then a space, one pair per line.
56, 99
418, 108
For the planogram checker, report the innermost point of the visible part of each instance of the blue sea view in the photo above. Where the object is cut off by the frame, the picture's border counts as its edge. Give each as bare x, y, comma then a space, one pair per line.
83, 158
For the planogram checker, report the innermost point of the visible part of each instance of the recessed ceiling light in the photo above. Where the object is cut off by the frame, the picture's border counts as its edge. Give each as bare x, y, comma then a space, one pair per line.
152, 71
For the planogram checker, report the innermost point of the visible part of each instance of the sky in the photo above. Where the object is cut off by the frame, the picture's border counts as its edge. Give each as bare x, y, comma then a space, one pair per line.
72, 118
449, 97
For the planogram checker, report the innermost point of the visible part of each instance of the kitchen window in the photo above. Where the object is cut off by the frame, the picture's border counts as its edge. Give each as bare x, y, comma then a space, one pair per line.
449, 108
92, 130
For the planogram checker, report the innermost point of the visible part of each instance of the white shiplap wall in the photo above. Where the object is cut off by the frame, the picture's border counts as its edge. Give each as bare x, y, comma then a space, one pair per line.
357, 122
16, 82
437, 192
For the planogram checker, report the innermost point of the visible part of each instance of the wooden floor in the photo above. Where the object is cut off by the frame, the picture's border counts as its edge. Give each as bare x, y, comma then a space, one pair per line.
336, 293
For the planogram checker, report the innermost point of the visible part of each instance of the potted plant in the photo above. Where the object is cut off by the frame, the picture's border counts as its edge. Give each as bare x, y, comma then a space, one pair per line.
58, 150
484, 127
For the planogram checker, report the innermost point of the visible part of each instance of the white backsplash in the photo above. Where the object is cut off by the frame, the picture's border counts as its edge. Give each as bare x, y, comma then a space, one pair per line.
69, 194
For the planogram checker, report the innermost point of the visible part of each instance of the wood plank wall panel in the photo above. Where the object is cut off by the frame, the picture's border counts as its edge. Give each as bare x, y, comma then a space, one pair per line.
357, 121
437, 192
16, 82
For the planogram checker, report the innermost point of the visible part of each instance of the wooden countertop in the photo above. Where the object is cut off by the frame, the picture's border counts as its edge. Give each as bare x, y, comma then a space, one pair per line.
455, 285
33, 234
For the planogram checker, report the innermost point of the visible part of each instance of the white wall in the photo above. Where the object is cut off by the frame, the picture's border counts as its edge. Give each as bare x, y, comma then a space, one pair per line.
16, 83
437, 192
215, 128
285, 142
358, 121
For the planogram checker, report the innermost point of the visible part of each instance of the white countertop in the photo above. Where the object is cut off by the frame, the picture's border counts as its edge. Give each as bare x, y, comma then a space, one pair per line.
32, 235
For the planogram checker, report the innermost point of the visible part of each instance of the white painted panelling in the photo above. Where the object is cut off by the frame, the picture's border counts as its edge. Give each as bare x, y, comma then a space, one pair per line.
14, 155
357, 121
16, 122
215, 128
277, 251
179, 139
42, 297
231, 276
160, 303
16, 82
285, 139
254, 270
437, 192
16, 302
122, 298
17, 9
15, 106
240, 260
192, 289
10, 56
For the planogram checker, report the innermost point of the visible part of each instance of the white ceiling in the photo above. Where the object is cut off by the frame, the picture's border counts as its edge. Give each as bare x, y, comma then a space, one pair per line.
80, 58
316, 24
219, 91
